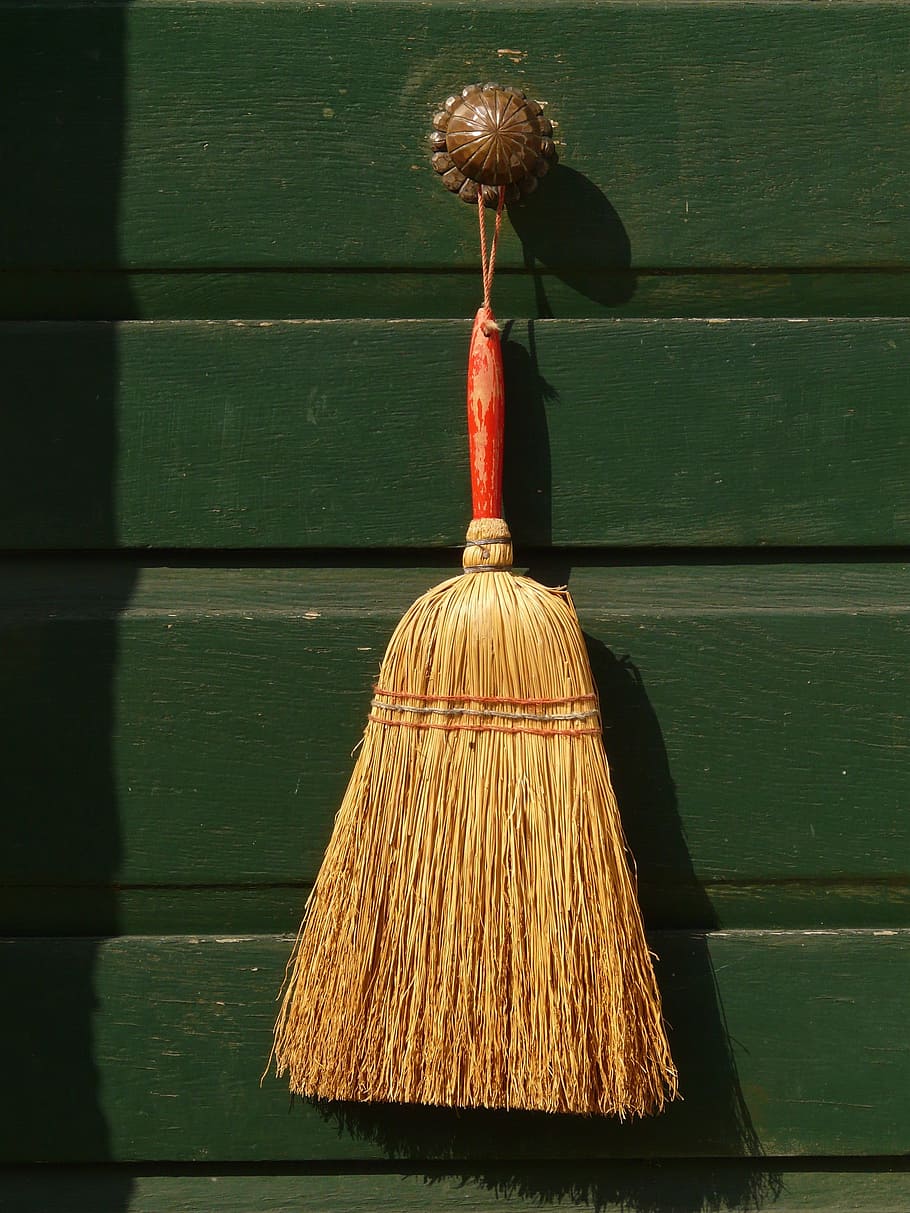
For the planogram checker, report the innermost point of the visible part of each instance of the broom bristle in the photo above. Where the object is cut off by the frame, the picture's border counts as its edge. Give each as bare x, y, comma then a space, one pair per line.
473, 937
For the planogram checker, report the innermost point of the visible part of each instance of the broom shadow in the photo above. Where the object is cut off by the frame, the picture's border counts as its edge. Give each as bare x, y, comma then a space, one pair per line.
713, 1120
712, 1128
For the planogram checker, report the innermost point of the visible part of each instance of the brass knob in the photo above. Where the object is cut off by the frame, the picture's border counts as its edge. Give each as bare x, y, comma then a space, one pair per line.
486, 137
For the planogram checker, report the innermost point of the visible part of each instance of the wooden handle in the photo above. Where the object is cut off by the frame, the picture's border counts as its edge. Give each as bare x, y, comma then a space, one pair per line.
486, 415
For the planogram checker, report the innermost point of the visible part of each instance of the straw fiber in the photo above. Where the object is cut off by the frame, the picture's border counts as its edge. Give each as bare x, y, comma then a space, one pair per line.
473, 937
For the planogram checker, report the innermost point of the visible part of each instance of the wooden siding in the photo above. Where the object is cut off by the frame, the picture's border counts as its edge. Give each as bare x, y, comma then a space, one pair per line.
182, 1029
233, 299
756, 720
352, 434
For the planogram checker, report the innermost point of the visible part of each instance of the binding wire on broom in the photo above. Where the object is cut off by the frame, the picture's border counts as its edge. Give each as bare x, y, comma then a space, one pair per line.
473, 937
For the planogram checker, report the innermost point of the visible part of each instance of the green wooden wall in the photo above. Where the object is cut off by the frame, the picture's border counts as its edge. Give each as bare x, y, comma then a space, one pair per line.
233, 325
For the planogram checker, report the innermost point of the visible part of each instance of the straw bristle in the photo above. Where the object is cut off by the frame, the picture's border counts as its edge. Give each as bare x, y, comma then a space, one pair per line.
473, 937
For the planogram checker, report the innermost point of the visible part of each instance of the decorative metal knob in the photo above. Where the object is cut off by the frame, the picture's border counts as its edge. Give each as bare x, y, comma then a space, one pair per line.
487, 137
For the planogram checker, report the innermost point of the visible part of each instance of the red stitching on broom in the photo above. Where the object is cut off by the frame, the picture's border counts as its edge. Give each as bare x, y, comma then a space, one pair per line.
486, 713
535, 703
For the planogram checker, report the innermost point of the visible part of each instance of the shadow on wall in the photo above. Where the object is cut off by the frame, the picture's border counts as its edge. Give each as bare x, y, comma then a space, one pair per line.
713, 1121
570, 229
59, 831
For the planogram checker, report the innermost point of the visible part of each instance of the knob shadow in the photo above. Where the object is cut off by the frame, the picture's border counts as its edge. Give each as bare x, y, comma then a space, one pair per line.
570, 230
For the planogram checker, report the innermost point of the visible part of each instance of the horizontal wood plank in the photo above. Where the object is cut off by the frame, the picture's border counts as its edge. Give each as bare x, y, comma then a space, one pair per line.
787, 1043
447, 294
692, 135
786, 1185
180, 732
352, 434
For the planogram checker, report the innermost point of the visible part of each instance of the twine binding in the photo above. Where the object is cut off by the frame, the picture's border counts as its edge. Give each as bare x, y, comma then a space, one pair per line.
488, 260
451, 713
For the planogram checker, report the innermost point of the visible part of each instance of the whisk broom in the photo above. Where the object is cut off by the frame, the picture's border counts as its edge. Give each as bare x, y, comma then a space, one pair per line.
473, 938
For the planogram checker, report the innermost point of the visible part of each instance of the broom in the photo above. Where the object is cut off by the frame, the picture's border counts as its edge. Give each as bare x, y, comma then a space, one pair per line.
473, 937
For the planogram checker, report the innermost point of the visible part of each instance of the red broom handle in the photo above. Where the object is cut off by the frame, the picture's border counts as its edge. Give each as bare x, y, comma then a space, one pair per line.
486, 415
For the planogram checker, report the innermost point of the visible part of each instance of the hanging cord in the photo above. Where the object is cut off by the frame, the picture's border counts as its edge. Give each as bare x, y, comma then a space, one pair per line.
488, 263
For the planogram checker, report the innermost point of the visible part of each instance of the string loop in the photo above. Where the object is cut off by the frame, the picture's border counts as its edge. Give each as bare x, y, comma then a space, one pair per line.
488, 262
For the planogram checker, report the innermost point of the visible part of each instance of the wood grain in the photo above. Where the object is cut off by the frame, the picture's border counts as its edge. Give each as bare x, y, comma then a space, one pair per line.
722, 135
163, 1040
185, 735
232, 435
